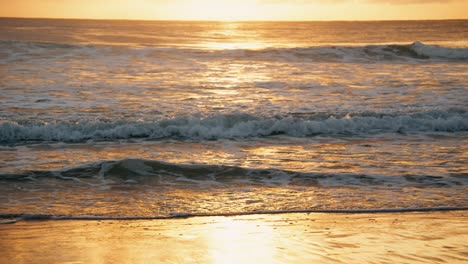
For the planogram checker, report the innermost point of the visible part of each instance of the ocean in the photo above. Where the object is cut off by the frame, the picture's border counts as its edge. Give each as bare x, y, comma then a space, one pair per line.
107, 119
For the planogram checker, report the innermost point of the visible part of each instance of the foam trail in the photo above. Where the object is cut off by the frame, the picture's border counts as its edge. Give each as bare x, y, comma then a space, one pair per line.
13, 218
204, 175
440, 52
416, 52
232, 126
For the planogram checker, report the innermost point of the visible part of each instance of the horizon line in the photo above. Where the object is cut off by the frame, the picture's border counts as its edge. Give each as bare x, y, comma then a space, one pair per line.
240, 20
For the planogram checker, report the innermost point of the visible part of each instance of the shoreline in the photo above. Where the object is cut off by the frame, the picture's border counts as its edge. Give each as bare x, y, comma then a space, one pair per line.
182, 215
404, 237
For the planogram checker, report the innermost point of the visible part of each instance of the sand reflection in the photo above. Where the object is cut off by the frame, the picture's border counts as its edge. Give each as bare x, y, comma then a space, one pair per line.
228, 245
294, 238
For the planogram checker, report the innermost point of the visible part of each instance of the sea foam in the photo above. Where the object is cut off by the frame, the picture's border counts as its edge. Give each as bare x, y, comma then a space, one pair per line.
439, 52
233, 126
415, 52
180, 175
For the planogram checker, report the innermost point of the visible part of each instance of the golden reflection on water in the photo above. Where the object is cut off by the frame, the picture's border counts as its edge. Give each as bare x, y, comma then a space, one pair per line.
292, 238
252, 45
318, 155
228, 36
228, 243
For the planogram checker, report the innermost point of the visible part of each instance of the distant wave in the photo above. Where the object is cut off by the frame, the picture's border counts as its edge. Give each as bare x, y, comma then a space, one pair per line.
176, 175
439, 52
415, 52
235, 126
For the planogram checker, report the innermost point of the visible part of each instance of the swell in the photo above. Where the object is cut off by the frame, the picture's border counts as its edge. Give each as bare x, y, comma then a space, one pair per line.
176, 175
230, 126
415, 52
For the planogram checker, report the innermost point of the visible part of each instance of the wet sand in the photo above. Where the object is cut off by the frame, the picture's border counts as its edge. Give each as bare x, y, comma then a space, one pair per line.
424, 237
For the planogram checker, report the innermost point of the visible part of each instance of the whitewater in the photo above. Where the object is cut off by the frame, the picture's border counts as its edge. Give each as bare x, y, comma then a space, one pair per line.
156, 119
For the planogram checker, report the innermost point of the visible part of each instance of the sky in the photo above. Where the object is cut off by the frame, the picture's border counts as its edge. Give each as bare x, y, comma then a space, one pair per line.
238, 9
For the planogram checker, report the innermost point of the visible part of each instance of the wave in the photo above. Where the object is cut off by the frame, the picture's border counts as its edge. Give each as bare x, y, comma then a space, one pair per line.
415, 52
430, 51
176, 175
211, 190
230, 126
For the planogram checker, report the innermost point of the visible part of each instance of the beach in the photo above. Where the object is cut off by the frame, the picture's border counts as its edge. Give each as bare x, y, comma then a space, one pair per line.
138, 141
420, 237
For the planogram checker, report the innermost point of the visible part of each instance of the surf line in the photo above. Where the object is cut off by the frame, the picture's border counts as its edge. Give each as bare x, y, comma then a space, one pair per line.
13, 218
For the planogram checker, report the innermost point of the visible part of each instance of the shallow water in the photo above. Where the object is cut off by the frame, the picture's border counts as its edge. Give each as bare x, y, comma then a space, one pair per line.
287, 238
141, 118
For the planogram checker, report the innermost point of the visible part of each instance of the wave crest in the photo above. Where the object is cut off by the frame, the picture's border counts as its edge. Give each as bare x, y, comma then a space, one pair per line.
176, 175
415, 52
233, 126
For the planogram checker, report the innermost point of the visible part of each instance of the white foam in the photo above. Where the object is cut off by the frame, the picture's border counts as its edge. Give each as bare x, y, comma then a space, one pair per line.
440, 52
231, 126
37, 51
14, 218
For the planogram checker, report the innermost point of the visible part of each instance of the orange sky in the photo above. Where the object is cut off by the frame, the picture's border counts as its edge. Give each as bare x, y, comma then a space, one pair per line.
238, 9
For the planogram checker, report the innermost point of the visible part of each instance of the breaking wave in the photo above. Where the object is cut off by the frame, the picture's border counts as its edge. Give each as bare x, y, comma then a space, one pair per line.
231, 126
415, 52
105, 188
175, 175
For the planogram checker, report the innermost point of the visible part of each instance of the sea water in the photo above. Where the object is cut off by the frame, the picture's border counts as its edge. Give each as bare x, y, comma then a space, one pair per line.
129, 119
